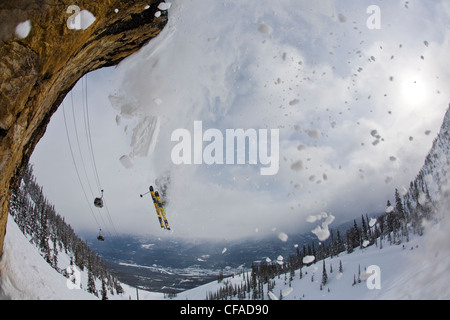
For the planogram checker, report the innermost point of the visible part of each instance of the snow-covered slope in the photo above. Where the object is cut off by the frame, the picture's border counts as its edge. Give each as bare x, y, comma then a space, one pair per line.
414, 270
25, 275
426, 275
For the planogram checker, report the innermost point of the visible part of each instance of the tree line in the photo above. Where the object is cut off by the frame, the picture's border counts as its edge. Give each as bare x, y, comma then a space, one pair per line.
37, 218
401, 218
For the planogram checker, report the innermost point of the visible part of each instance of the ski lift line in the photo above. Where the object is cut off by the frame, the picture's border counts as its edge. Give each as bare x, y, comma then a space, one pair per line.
76, 167
90, 135
79, 146
102, 220
92, 160
87, 135
110, 220
82, 158
84, 100
100, 203
90, 144
104, 223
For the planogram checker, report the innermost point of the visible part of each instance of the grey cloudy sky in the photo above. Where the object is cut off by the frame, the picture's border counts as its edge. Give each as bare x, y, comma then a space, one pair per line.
357, 111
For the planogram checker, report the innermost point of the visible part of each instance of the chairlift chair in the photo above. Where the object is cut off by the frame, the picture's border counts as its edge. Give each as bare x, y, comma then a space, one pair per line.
98, 202
100, 237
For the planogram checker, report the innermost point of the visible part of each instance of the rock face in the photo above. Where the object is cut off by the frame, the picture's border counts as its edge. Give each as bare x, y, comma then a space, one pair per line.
42, 59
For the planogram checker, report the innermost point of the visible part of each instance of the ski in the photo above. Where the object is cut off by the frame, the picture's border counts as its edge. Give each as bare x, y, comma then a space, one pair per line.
162, 211
159, 209
155, 203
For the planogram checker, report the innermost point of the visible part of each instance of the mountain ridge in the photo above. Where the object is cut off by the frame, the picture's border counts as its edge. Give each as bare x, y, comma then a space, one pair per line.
394, 240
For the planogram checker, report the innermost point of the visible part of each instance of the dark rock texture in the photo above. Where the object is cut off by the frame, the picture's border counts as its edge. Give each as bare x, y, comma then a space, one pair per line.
37, 71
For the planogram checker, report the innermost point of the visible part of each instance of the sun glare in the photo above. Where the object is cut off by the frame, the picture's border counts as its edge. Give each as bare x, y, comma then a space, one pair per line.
414, 91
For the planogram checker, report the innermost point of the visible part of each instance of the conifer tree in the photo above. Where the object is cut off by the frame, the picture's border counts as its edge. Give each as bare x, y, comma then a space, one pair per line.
324, 274
37, 218
340, 246
104, 290
91, 284
359, 273
364, 230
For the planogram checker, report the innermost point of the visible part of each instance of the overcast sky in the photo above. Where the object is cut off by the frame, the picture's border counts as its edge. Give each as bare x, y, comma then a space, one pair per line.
357, 110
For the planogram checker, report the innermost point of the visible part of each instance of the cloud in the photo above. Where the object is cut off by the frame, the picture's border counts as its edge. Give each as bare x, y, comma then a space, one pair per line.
260, 72
296, 66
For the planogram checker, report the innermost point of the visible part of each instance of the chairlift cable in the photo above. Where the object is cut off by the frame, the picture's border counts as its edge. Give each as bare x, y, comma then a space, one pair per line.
82, 157
102, 222
110, 219
90, 144
89, 135
76, 167
79, 146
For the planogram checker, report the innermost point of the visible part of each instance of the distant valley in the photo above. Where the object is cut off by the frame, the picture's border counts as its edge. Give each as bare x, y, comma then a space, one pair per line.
173, 265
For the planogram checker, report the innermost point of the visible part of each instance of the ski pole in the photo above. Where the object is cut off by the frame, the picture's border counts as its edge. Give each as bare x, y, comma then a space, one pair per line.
144, 194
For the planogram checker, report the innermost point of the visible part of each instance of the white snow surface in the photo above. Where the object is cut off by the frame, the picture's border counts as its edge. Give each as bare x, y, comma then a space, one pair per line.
322, 232
25, 275
283, 236
417, 269
308, 259
164, 6
82, 20
406, 273
23, 29
314, 218
126, 161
